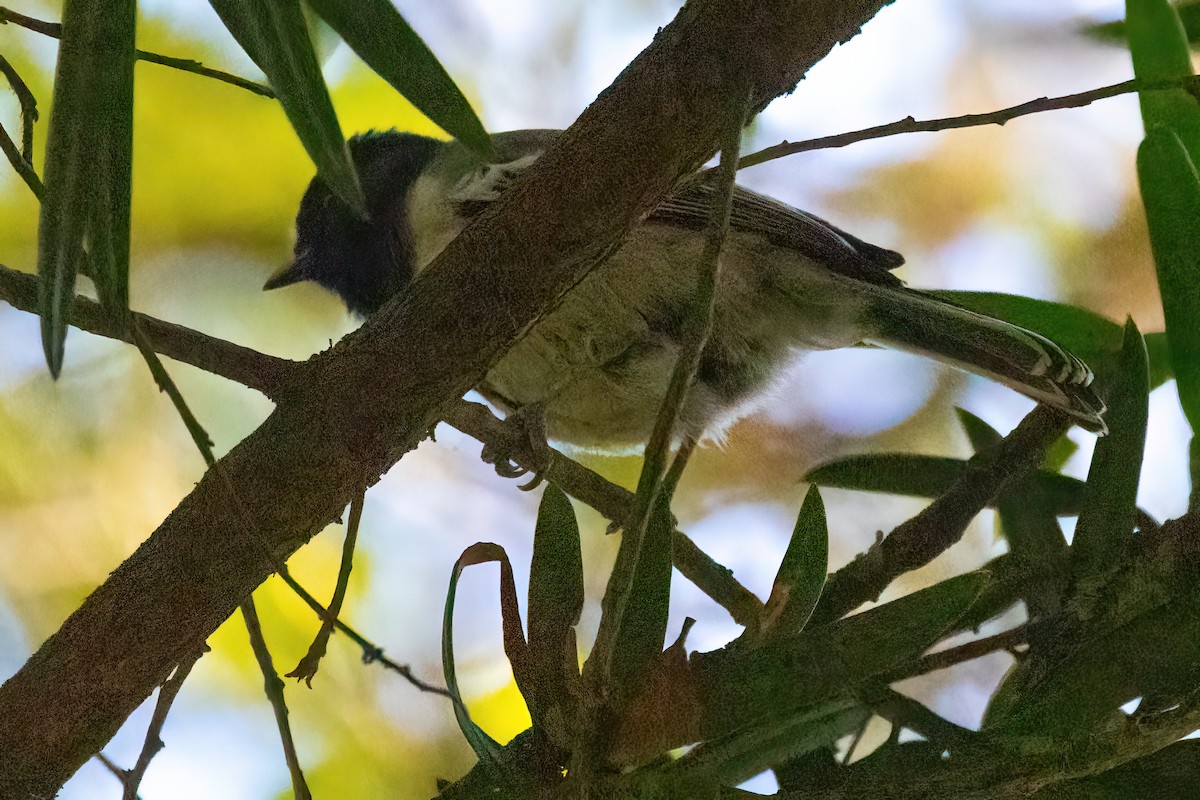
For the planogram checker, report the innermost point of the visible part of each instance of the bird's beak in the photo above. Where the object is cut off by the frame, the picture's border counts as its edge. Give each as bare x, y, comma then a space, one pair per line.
293, 272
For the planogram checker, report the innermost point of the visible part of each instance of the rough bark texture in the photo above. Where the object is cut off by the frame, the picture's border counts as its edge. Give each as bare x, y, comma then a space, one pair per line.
373, 396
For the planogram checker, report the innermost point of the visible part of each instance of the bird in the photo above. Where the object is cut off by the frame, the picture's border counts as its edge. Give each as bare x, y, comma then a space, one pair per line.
594, 370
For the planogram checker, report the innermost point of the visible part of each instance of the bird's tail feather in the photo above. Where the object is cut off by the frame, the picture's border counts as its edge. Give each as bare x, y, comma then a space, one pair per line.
1027, 362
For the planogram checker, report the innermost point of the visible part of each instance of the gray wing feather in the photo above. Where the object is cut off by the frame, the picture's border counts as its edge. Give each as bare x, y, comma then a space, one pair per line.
784, 226
690, 206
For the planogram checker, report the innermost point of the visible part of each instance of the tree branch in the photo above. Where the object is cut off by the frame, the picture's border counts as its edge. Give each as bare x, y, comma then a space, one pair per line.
347, 420
270, 375
1190, 83
54, 30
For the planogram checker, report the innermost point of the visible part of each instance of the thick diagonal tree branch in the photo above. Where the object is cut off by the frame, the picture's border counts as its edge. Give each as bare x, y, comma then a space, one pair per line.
373, 396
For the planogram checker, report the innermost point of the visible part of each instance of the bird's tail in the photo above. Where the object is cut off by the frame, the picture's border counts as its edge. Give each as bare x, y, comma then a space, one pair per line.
1027, 362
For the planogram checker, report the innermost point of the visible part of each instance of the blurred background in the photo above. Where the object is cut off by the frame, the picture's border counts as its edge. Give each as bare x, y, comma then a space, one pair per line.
89, 466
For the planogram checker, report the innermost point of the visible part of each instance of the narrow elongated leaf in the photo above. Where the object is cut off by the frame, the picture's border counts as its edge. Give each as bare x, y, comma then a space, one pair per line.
375, 30
748, 751
1171, 193
979, 433
802, 572
486, 748
643, 628
738, 686
1027, 523
1159, 47
1106, 520
884, 636
274, 35
1172, 773
1189, 15
930, 476
1159, 354
555, 602
89, 151
1087, 688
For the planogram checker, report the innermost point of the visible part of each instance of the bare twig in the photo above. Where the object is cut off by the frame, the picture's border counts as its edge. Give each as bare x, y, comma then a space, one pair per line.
264, 373
111, 766
273, 687
922, 538
1190, 83
19, 164
372, 653
943, 659
855, 741
904, 712
307, 668
28, 103
166, 384
132, 779
54, 30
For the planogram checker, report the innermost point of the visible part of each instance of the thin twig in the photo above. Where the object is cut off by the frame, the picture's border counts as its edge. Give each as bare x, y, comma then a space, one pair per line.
307, 668
1190, 83
372, 653
166, 384
675, 473
904, 712
54, 30
922, 538
28, 103
855, 741
19, 164
943, 659
111, 766
273, 687
131, 779
272, 684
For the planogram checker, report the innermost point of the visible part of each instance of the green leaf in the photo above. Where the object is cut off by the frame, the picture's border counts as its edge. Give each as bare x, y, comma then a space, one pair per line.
930, 476
1189, 15
738, 685
639, 640
1171, 193
1172, 773
1159, 48
1160, 359
555, 602
89, 152
1105, 671
1027, 522
1106, 520
750, 750
1060, 453
486, 748
979, 433
273, 33
375, 30
802, 573
885, 636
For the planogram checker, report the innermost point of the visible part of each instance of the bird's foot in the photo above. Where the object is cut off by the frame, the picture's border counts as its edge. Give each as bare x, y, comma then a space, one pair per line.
523, 443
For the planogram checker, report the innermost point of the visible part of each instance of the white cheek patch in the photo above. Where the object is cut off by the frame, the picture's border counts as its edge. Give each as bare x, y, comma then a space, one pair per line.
489, 181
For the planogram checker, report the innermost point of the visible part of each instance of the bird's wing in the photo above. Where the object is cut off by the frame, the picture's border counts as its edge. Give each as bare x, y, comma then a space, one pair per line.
690, 207
784, 226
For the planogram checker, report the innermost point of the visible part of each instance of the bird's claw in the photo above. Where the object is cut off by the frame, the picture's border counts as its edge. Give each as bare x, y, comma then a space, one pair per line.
524, 443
